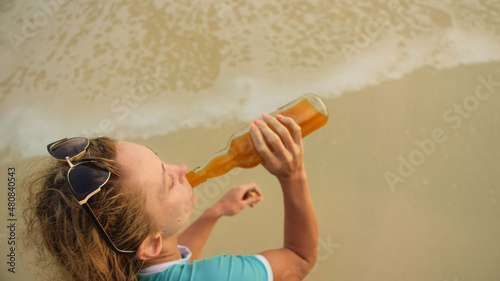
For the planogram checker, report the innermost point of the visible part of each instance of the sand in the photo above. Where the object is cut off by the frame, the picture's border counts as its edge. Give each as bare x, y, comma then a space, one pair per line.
439, 222
404, 176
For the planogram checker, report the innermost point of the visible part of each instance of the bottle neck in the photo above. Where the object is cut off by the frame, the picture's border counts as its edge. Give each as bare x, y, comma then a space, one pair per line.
219, 164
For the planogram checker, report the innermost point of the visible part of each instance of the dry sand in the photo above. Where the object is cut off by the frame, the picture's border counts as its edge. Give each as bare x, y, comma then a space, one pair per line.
441, 223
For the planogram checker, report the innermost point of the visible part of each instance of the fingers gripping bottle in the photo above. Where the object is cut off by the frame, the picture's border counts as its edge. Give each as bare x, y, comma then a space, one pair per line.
308, 111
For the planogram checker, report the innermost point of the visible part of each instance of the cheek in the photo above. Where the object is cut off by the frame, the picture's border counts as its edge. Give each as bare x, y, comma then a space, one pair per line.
178, 205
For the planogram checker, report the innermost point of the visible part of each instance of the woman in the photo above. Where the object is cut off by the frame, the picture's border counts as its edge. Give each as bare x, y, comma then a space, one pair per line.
116, 214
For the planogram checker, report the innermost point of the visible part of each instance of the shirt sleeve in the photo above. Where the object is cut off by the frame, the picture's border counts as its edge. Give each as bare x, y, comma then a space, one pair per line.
220, 268
266, 263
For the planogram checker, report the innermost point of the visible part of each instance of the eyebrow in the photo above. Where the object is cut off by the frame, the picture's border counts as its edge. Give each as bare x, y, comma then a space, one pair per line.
163, 181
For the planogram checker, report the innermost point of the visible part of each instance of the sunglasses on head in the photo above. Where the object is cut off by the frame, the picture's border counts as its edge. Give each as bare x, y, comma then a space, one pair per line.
84, 178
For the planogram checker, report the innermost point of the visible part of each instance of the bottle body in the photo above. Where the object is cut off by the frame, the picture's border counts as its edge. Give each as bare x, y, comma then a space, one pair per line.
308, 111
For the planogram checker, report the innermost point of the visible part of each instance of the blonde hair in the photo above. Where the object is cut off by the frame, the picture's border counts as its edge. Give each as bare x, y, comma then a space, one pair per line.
57, 225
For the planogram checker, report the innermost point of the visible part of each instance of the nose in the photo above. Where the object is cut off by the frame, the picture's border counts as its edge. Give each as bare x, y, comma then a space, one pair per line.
182, 169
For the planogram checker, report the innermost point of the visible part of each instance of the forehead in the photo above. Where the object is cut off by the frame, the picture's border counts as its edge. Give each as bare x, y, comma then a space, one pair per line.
138, 163
127, 152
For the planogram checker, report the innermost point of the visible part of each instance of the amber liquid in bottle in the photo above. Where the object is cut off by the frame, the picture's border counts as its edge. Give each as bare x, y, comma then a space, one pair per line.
308, 111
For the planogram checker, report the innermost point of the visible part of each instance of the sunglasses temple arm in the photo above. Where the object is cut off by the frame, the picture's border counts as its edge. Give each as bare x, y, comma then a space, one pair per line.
103, 233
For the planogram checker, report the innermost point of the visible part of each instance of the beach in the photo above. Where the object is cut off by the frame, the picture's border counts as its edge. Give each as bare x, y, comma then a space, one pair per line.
404, 176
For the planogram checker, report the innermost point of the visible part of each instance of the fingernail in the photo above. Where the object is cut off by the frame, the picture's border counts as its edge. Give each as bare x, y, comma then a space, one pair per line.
265, 115
279, 116
256, 121
252, 126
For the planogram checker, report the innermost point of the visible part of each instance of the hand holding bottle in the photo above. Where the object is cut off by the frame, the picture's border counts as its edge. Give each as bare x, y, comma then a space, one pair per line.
308, 112
279, 142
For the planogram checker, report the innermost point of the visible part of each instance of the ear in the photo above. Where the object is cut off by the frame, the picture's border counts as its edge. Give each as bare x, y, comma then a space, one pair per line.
150, 247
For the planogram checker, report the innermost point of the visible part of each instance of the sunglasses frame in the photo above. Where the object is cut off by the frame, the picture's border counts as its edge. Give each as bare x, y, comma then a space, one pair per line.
83, 202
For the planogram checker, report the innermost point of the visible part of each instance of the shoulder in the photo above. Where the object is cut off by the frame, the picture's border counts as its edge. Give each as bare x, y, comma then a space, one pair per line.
221, 267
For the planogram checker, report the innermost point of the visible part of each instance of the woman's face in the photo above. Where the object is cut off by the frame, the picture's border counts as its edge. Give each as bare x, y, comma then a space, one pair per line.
169, 197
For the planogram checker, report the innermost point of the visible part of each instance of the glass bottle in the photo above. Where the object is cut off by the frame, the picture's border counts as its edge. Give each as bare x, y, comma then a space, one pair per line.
308, 111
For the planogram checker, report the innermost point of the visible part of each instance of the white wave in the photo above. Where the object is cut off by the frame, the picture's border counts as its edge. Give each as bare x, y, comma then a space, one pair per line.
58, 88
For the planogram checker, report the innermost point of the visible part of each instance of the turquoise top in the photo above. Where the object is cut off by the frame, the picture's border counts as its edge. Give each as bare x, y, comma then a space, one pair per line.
220, 268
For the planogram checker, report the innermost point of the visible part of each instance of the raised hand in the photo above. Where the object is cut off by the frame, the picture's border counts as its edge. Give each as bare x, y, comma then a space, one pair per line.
279, 141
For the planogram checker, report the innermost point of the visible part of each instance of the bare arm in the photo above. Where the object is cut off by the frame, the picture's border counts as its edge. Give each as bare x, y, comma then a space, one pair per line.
196, 235
280, 144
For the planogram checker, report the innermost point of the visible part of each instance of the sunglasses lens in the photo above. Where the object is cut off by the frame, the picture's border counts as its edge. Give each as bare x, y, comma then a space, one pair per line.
85, 178
69, 147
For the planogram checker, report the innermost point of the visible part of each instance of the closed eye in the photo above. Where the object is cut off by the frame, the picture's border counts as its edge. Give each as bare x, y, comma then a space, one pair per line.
172, 181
